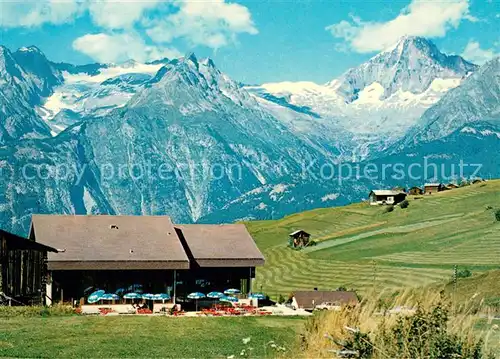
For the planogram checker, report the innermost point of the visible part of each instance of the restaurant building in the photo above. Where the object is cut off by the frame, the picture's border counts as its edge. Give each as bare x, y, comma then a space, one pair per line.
114, 253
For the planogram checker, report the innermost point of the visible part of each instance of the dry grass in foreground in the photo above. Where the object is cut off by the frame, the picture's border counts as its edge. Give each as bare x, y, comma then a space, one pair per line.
419, 325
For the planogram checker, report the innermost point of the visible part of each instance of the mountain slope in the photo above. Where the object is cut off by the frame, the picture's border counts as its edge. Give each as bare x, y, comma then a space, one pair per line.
477, 99
373, 105
187, 143
20, 91
363, 247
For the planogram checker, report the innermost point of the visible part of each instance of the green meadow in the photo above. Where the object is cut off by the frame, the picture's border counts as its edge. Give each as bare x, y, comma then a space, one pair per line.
363, 247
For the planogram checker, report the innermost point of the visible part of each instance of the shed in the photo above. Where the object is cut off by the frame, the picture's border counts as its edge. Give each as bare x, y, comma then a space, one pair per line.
22, 268
308, 300
381, 196
299, 238
430, 188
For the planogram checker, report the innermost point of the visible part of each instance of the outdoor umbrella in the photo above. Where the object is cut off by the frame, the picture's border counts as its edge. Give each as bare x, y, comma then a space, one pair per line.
232, 291
215, 295
132, 296
95, 296
148, 296
196, 296
227, 298
258, 296
161, 296
109, 296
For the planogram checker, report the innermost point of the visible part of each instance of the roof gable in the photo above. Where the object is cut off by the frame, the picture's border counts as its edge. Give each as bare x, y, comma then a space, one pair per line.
214, 245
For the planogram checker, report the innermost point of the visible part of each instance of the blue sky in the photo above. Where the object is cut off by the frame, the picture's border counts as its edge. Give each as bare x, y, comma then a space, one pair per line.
252, 41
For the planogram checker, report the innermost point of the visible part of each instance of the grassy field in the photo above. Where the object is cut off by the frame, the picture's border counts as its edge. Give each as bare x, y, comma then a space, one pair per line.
152, 337
362, 247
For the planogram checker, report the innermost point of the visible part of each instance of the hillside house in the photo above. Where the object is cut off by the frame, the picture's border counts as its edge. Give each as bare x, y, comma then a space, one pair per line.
477, 180
299, 238
309, 300
416, 191
382, 196
430, 188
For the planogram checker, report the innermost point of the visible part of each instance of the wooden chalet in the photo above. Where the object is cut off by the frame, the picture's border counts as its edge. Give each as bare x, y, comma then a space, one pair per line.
299, 238
430, 188
415, 191
450, 186
114, 252
308, 300
381, 197
23, 269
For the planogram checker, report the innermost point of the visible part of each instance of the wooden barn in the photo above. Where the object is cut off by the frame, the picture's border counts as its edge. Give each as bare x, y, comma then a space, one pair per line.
299, 238
415, 191
23, 269
430, 188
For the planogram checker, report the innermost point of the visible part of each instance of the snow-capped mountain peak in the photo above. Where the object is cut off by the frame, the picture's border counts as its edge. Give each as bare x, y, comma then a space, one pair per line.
410, 65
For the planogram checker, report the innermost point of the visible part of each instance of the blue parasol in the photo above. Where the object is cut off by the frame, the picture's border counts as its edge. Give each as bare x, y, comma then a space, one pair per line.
161, 296
132, 296
148, 296
95, 296
109, 296
232, 291
227, 298
258, 296
215, 295
196, 296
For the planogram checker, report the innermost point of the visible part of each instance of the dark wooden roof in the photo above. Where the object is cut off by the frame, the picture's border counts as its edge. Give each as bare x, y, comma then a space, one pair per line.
225, 245
110, 242
16, 242
298, 232
305, 298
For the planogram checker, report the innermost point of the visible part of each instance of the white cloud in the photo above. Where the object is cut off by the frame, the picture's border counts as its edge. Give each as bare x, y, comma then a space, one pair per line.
474, 53
35, 13
421, 18
114, 14
120, 47
210, 23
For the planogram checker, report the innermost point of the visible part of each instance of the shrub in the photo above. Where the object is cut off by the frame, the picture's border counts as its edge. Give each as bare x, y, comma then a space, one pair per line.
389, 209
489, 208
426, 330
497, 215
464, 273
36, 311
404, 204
281, 299
311, 243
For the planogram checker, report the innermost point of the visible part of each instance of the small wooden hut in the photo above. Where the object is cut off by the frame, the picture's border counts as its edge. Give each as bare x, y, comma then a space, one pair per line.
299, 238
